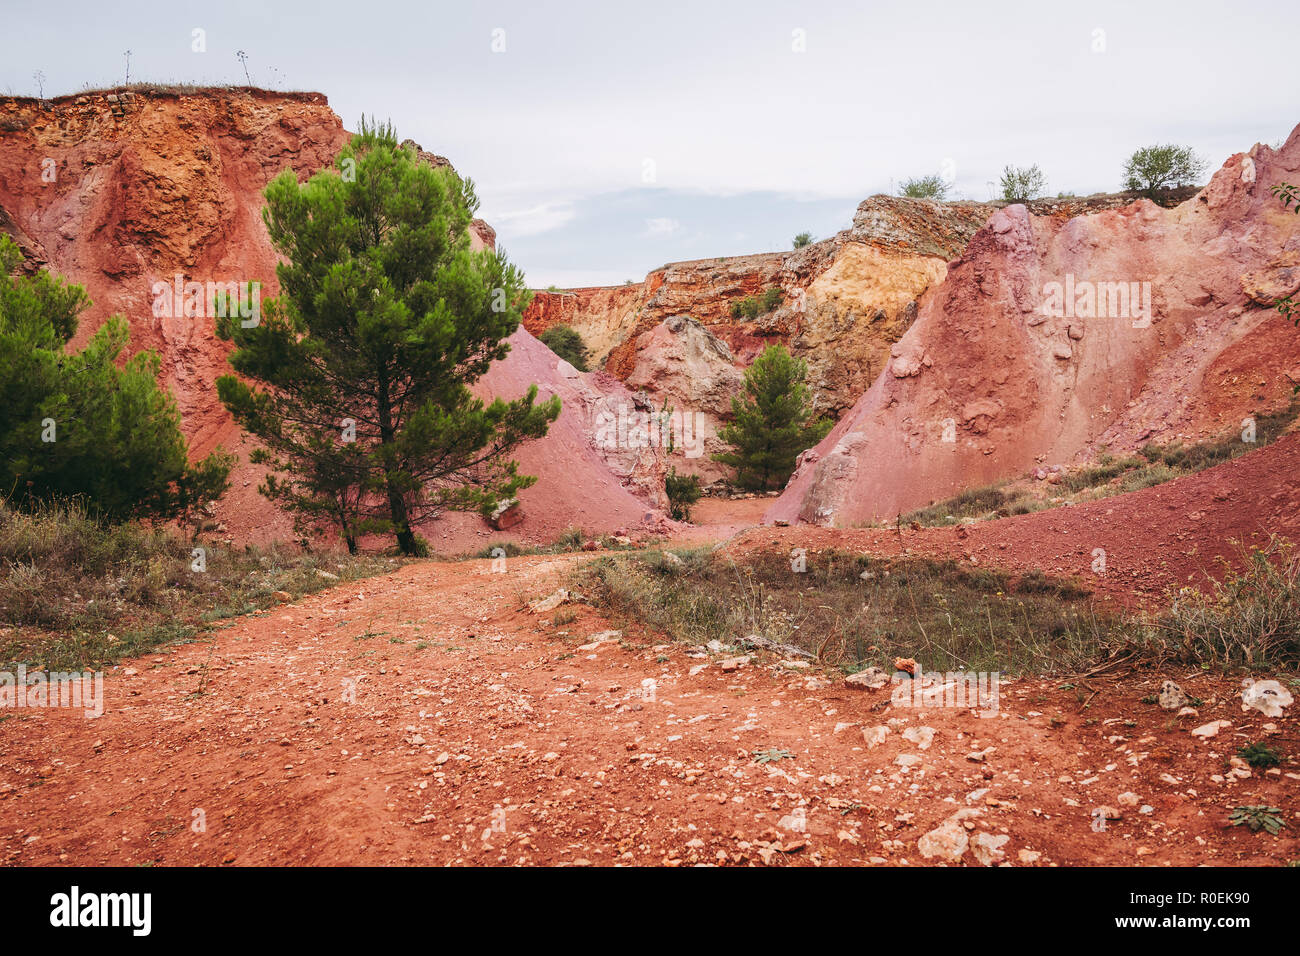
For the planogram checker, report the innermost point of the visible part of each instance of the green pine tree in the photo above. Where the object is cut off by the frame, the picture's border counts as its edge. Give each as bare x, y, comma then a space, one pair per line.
386, 317
78, 425
772, 422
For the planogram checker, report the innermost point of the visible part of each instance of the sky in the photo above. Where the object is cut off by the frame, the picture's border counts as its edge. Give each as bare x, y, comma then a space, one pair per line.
608, 138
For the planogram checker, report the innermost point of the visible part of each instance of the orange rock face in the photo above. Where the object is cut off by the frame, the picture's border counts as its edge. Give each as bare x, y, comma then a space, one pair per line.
845, 300
121, 194
118, 193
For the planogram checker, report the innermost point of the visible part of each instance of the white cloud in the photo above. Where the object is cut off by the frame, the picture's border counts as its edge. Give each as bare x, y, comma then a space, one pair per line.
662, 226
534, 220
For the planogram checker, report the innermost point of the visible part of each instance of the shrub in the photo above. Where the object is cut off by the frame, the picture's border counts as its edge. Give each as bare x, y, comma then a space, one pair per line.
1259, 755
925, 187
1250, 618
803, 239
84, 424
571, 540
970, 503
565, 342
944, 613
751, 307
683, 491
79, 591
1020, 184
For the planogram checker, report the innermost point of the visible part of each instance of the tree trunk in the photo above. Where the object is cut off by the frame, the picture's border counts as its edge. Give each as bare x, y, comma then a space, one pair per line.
401, 523
396, 505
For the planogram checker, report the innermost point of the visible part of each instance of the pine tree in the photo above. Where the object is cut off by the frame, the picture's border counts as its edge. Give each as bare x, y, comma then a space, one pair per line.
75, 424
386, 317
772, 422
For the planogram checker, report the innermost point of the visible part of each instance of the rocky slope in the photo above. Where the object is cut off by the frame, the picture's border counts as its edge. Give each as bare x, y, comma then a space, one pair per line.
120, 191
846, 299
1029, 352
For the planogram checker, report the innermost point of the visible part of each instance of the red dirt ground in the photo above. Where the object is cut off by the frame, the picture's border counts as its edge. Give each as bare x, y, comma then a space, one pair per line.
481, 733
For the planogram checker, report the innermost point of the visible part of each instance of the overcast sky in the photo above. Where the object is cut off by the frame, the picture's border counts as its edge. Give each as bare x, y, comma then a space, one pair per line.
608, 138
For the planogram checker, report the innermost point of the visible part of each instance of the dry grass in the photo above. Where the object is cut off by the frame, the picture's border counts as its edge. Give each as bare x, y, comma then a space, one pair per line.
947, 615
1249, 618
75, 592
851, 611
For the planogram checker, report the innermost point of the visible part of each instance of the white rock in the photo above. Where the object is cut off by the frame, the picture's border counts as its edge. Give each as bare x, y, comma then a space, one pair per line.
604, 637
875, 736
988, 848
948, 841
1171, 696
1206, 731
921, 736
873, 678
1268, 697
549, 603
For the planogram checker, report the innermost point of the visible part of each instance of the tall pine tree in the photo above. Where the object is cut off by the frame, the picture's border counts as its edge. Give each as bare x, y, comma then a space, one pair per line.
771, 422
386, 317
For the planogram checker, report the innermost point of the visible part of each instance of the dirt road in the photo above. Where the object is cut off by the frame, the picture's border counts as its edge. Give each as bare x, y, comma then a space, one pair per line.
428, 717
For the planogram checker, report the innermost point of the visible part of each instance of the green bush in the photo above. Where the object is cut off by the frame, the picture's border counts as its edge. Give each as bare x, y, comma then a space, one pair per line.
751, 307
771, 421
1022, 183
565, 342
1250, 618
925, 187
683, 491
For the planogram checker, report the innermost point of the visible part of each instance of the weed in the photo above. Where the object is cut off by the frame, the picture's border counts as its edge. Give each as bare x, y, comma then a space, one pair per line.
1258, 818
1259, 755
